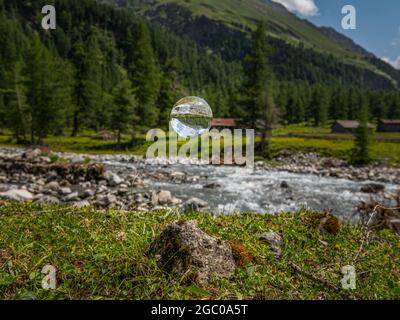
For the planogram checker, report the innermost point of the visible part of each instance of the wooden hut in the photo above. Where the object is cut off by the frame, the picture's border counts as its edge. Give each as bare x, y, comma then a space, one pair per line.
347, 126
389, 125
224, 123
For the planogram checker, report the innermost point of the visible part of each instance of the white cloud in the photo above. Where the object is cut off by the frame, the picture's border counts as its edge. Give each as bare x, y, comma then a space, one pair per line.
395, 63
396, 40
304, 7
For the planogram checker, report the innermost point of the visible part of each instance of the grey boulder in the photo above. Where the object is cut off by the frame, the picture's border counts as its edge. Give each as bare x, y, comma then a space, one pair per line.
16, 195
184, 249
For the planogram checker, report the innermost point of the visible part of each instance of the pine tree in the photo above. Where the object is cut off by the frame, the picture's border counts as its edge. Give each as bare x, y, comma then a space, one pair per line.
394, 106
291, 102
144, 75
353, 103
110, 77
257, 97
47, 90
338, 107
12, 90
88, 63
300, 106
361, 154
319, 105
124, 106
17, 114
168, 94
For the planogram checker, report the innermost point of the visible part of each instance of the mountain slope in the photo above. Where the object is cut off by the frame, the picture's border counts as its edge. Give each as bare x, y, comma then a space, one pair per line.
242, 15
224, 26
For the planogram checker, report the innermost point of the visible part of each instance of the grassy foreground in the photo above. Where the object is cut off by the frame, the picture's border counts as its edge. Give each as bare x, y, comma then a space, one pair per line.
94, 261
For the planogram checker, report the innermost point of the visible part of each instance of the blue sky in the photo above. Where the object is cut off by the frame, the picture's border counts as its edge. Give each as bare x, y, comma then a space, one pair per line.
378, 22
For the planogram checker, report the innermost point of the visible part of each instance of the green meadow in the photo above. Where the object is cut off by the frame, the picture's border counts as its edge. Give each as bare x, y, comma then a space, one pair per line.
93, 262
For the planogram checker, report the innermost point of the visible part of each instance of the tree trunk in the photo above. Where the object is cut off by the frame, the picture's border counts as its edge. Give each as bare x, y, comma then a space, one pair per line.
119, 139
133, 139
19, 106
75, 125
265, 140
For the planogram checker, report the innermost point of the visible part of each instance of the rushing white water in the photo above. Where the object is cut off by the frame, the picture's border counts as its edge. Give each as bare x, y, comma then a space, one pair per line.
248, 190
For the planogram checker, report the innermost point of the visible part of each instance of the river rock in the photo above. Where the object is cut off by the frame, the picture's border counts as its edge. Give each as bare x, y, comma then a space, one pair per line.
194, 204
285, 185
88, 193
105, 200
48, 199
142, 208
164, 197
85, 185
102, 189
176, 201
212, 186
394, 224
183, 249
81, 204
154, 198
53, 186
72, 197
112, 178
372, 188
65, 191
45, 160
177, 175
139, 198
65, 184
274, 240
40, 182
123, 191
77, 159
17, 195
31, 154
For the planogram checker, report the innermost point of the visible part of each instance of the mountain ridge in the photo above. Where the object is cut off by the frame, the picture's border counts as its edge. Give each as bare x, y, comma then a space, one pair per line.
227, 24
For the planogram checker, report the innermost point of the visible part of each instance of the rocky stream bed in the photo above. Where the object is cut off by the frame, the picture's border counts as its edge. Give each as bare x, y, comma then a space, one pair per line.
131, 182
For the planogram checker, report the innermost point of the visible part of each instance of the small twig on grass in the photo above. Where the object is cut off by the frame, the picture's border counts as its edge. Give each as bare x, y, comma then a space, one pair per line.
321, 281
367, 231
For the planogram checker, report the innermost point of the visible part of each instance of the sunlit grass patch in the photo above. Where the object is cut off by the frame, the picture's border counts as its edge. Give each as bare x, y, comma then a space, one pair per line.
94, 262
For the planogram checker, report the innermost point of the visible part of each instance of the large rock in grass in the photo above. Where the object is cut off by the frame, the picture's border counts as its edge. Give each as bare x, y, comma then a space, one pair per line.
183, 249
16, 195
274, 240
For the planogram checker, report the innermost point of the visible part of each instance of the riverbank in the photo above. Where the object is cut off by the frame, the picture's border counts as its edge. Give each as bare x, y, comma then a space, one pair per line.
314, 163
294, 139
134, 183
105, 255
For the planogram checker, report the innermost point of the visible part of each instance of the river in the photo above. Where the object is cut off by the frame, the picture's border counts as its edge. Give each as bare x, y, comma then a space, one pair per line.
251, 190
